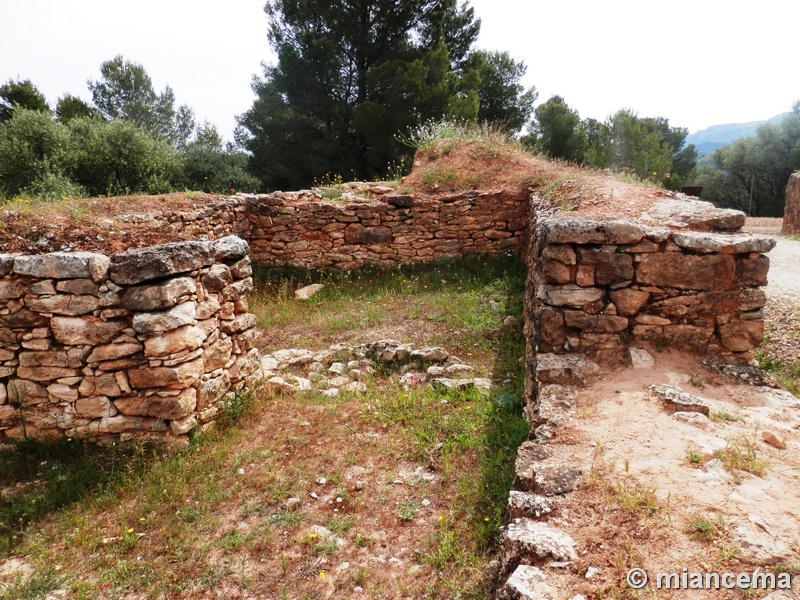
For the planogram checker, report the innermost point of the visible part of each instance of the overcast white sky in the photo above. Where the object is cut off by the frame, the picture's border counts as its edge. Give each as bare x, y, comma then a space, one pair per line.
697, 63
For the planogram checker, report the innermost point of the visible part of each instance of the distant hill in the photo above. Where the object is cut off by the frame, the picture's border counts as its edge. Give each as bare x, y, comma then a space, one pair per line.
709, 139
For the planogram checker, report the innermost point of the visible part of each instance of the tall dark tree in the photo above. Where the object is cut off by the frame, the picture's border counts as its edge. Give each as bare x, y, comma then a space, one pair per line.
503, 99
558, 132
71, 107
125, 91
20, 94
350, 75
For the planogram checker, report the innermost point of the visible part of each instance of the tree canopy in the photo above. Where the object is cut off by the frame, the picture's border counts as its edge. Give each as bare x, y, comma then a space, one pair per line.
20, 94
125, 91
751, 173
353, 74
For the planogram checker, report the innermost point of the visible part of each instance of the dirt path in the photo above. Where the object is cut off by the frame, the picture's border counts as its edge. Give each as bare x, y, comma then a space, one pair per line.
782, 313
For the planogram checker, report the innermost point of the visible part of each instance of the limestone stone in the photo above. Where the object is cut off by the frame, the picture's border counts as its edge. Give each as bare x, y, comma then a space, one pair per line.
674, 399
212, 390
182, 426
23, 319
63, 265
562, 253
356, 233
237, 289
207, 308
537, 470
696, 213
239, 323
527, 583
3, 393
217, 355
526, 504
120, 423
752, 299
159, 322
64, 304
584, 277
230, 248
629, 301
43, 288
740, 336
644, 319
595, 323
85, 330
46, 373
569, 295
156, 262
306, 292
556, 403
8, 415
569, 369
759, 541
56, 358
6, 264
641, 359
577, 231
752, 272
178, 376
158, 297
610, 267
722, 243
79, 287
706, 272
173, 407
430, 354
26, 393
535, 540
12, 288
61, 392
113, 351
218, 277
186, 338
554, 271
95, 408
245, 366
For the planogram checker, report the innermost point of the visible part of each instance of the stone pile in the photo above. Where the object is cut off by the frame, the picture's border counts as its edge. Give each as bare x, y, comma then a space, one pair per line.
145, 343
600, 285
343, 368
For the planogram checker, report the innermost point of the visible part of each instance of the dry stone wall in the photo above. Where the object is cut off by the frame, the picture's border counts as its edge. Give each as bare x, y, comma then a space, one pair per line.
301, 229
602, 285
145, 343
791, 213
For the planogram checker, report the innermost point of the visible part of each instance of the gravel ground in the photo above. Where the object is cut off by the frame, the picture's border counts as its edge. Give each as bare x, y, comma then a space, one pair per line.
782, 313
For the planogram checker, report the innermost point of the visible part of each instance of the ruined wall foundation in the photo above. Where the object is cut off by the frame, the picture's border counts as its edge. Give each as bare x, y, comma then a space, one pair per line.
145, 343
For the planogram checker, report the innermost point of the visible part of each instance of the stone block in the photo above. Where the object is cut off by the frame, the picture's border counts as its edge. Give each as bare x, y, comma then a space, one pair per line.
723, 243
230, 248
158, 297
113, 351
569, 295
688, 272
95, 408
159, 322
629, 301
740, 335
186, 338
217, 355
157, 262
595, 323
90, 331
578, 231
63, 265
182, 375
752, 272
